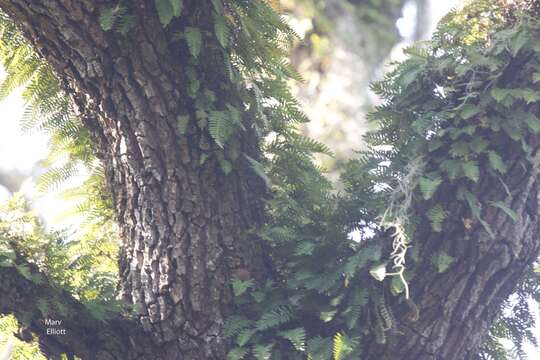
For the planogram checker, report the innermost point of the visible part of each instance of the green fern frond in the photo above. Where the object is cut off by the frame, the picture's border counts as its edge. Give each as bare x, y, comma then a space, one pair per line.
274, 318
296, 336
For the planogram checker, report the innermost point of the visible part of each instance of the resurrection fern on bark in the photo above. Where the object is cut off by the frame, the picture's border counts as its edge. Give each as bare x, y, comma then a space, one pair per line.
233, 244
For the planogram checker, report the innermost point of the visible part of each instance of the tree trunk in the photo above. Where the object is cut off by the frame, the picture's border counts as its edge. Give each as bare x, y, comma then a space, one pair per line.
451, 311
182, 222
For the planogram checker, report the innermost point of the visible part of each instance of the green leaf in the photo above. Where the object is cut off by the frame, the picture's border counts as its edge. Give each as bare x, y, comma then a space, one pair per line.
177, 6
410, 75
473, 202
226, 165
378, 272
218, 6
459, 149
478, 145
182, 122
126, 23
274, 318
530, 96
219, 127
194, 40
442, 261
194, 86
343, 346
319, 348
203, 158
221, 29
469, 111
501, 205
259, 169
7, 256
24, 271
452, 168
533, 123
434, 144
500, 94
512, 129
165, 11
43, 307
488, 229
476, 209
396, 285
471, 170
327, 316
296, 336
496, 162
428, 187
244, 336
237, 354
339, 346
262, 352
436, 216
518, 42
234, 324
107, 18
240, 287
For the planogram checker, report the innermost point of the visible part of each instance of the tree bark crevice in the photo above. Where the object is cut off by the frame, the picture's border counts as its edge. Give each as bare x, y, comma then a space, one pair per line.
182, 222
457, 307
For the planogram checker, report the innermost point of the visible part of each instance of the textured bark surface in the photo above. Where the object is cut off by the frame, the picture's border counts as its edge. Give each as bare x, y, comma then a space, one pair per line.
182, 223
456, 308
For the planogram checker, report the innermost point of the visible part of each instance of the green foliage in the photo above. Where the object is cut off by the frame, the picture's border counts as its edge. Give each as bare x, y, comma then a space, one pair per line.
296, 336
454, 120
194, 40
516, 322
466, 118
240, 287
343, 346
429, 186
237, 354
262, 352
442, 261
436, 216
165, 11
437, 113
84, 265
117, 18
109, 16
20, 350
501, 205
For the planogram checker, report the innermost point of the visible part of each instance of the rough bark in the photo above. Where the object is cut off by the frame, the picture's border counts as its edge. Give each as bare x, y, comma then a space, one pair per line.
452, 311
182, 223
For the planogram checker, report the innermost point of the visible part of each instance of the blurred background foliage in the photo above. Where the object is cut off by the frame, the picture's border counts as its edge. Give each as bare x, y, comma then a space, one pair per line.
342, 47
345, 45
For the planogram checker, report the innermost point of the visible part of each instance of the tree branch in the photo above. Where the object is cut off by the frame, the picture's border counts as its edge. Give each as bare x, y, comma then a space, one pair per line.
182, 218
457, 307
77, 332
